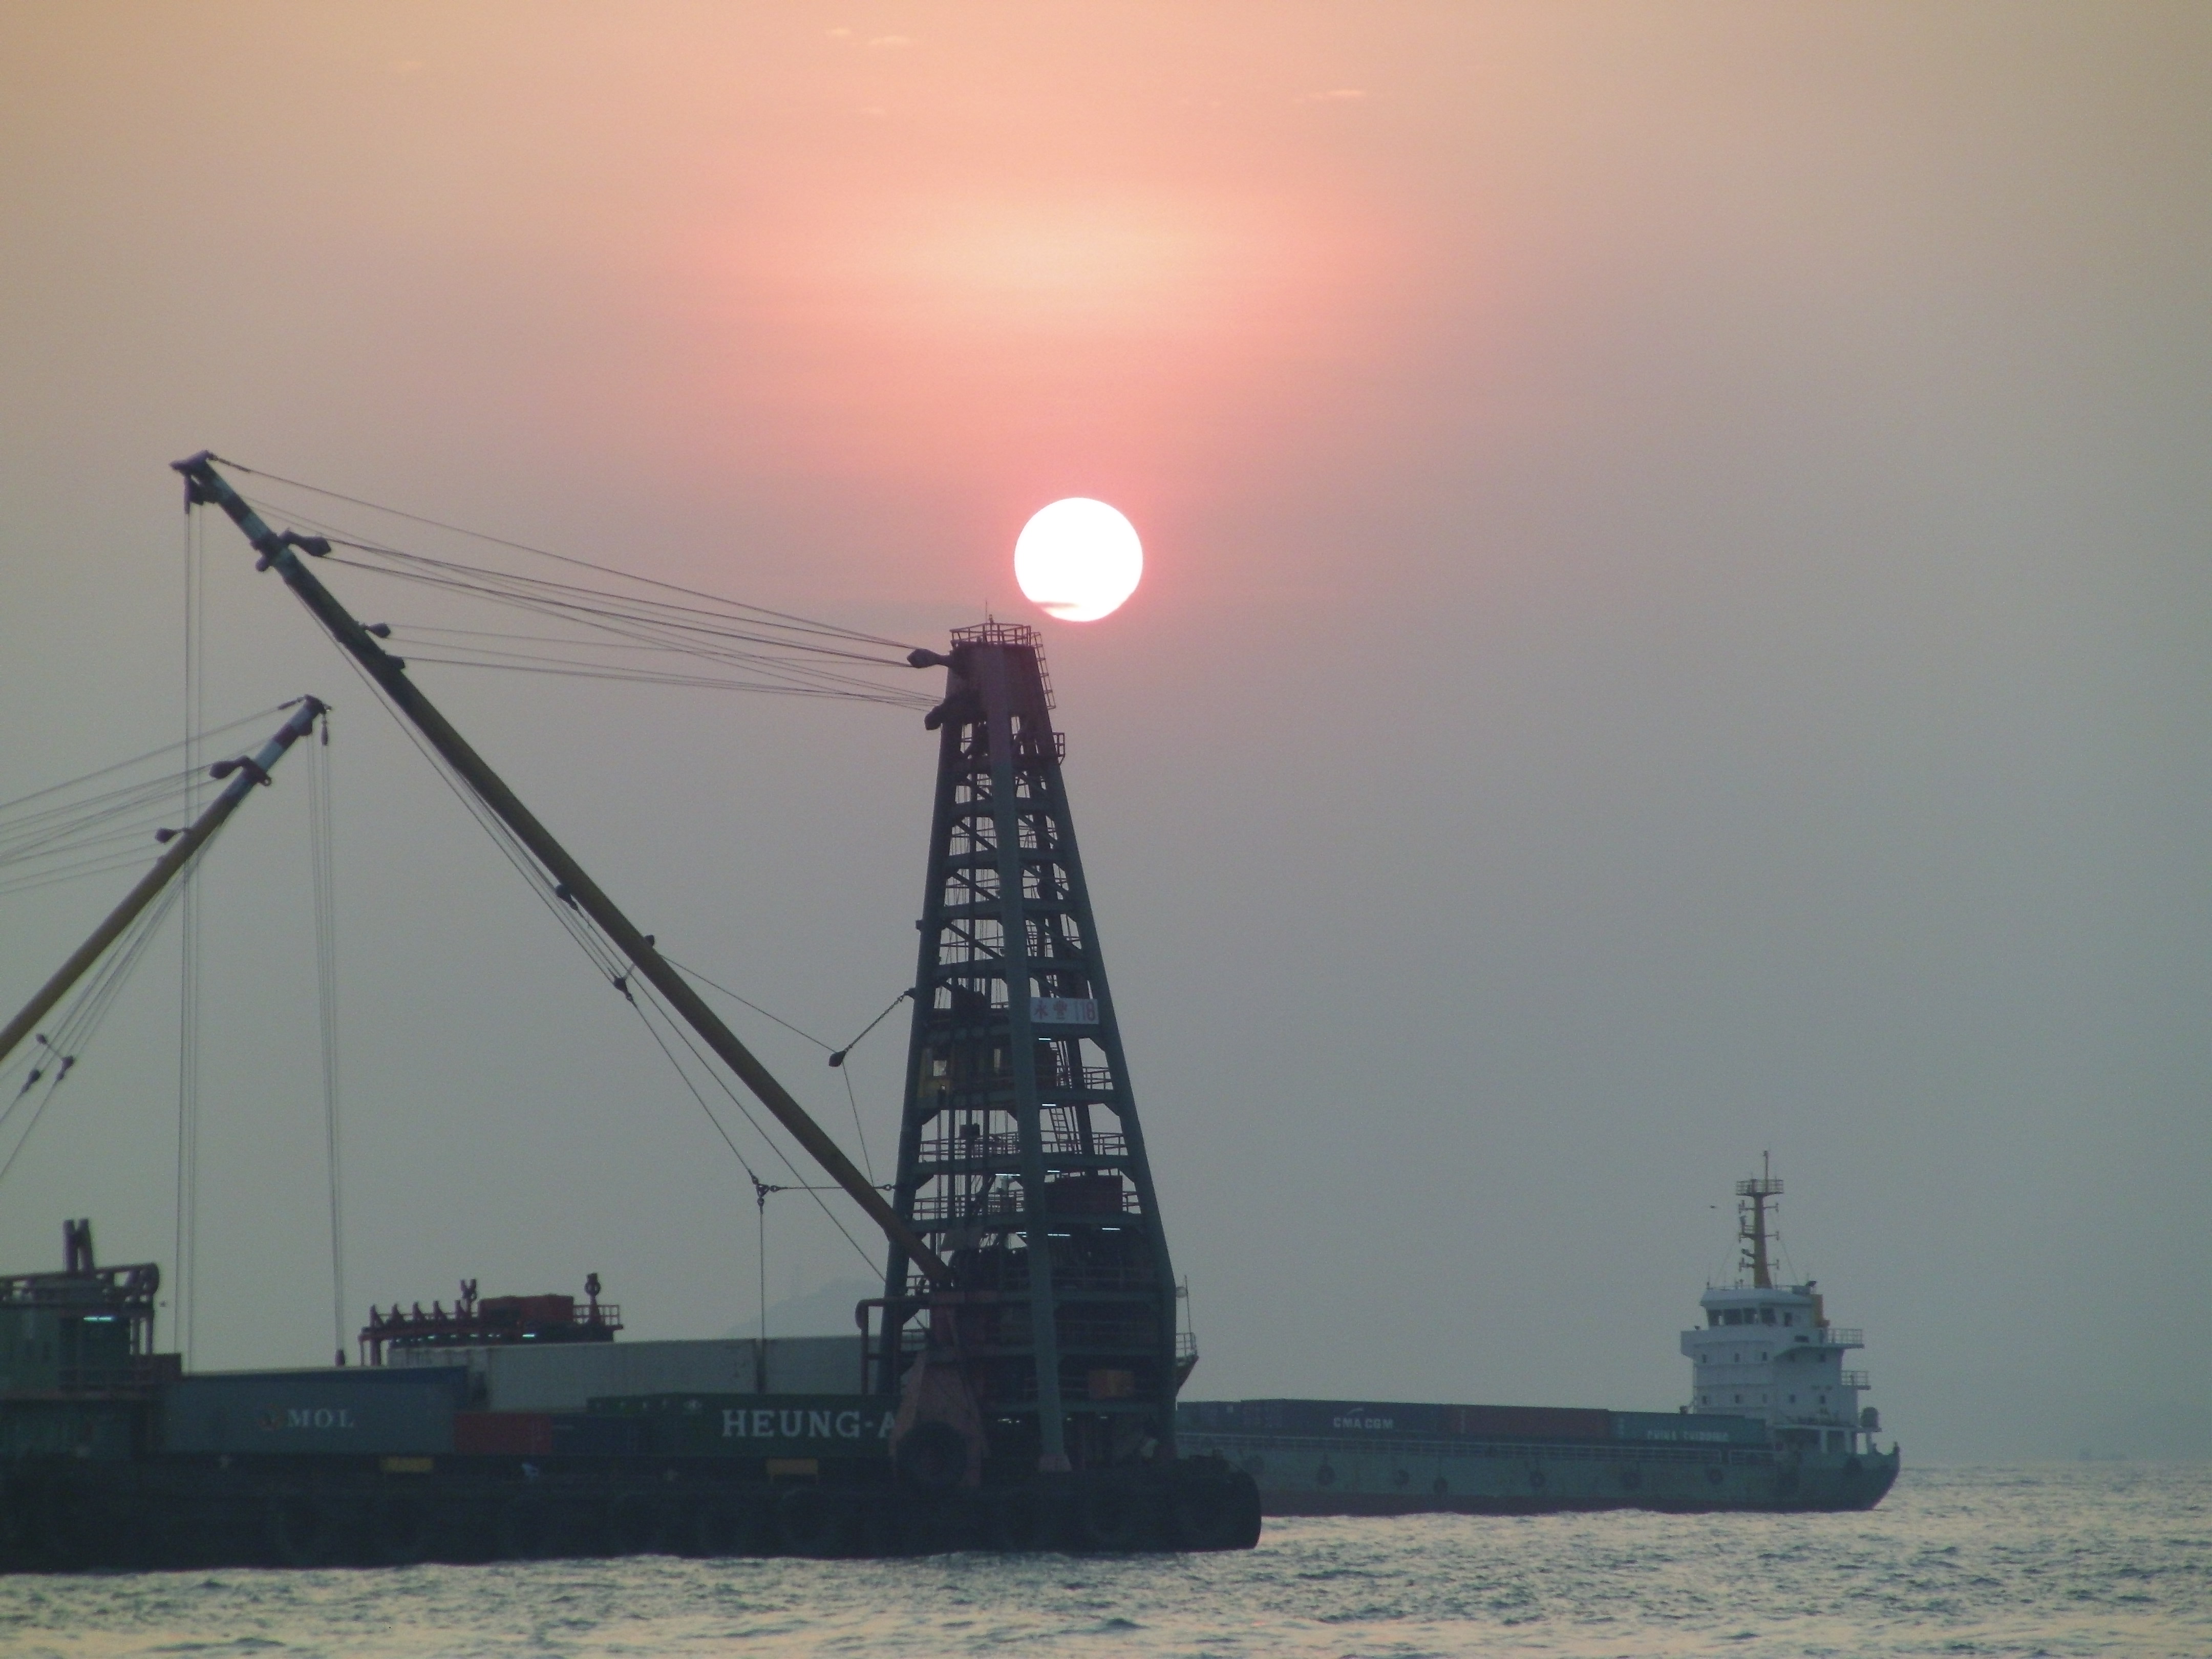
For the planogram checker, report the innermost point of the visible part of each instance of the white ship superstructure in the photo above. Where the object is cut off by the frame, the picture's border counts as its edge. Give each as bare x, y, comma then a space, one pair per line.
1768, 1350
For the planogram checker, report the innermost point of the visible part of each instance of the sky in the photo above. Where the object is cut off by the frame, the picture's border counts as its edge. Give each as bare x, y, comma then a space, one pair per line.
1676, 626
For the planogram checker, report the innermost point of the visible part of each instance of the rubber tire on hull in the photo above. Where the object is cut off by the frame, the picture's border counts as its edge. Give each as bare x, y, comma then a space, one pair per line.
645, 1523
949, 1520
301, 1531
401, 1529
1014, 1521
532, 1530
468, 1533
810, 1521
933, 1458
125, 1533
895, 1521
57, 1536
1214, 1517
724, 1524
1109, 1520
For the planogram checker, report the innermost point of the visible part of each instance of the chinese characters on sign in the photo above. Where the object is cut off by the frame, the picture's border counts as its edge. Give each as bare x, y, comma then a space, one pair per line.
1063, 1011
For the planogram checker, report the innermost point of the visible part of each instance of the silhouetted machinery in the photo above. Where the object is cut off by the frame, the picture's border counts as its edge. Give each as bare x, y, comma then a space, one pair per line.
1021, 1156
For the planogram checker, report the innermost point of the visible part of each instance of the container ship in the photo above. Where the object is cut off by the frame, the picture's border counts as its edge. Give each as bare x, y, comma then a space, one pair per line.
1773, 1422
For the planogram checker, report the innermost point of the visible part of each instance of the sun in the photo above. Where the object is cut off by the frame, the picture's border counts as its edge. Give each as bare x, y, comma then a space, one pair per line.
1078, 560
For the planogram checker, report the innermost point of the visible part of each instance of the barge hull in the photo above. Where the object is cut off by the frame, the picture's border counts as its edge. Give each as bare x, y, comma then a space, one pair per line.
1319, 1476
59, 1515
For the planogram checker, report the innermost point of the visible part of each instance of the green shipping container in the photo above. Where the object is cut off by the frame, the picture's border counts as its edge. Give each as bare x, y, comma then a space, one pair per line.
1689, 1429
105, 1431
758, 1424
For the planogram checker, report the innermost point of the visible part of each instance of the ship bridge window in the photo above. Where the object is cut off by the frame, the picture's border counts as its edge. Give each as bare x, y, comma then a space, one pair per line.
1712, 1316
1789, 1319
1766, 1315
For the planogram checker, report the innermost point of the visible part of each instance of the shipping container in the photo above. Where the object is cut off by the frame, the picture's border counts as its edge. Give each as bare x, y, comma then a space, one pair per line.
757, 1424
365, 1410
99, 1429
1333, 1418
581, 1434
1529, 1423
545, 1434
525, 1376
1689, 1429
1209, 1416
1392, 1421
503, 1434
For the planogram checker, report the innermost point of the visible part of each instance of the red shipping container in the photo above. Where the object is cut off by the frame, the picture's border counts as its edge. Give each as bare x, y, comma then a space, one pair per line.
503, 1434
1531, 1423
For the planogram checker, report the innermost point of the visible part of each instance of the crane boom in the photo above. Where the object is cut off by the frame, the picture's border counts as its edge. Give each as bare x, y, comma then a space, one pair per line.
247, 774
204, 485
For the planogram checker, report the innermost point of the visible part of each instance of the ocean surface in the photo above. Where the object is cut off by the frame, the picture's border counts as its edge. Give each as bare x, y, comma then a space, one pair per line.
2094, 1559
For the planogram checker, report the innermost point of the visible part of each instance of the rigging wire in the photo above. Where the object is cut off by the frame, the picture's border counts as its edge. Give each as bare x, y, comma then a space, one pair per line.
323, 867
139, 760
604, 955
188, 998
627, 620
689, 682
709, 630
641, 624
65, 1043
860, 1134
837, 1055
63, 834
686, 1036
837, 1062
486, 580
694, 974
563, 558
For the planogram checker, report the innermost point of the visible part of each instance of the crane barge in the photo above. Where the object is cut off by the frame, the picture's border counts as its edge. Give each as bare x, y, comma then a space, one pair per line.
1014, 1386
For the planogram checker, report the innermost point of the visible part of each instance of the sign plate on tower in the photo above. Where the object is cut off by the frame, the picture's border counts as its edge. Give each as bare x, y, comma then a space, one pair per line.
1063, 1011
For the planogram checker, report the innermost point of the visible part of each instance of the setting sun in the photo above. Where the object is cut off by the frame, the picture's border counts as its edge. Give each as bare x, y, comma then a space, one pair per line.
1078, 560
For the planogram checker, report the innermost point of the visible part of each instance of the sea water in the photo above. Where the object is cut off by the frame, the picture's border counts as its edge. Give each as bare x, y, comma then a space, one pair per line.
2093, 1559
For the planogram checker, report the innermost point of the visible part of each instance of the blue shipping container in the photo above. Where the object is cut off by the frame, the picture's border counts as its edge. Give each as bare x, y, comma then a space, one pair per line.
371, 1411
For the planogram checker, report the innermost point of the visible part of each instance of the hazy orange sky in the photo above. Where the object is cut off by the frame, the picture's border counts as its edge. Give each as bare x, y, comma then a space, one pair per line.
1676, 623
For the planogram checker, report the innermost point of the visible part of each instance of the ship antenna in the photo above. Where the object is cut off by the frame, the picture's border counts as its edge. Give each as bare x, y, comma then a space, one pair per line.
1755, 1194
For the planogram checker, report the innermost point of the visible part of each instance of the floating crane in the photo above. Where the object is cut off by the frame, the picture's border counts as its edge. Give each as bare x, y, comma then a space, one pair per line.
1022, 1362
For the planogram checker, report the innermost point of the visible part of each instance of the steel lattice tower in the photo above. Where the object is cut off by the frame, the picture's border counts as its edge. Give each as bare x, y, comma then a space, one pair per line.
1021, 1159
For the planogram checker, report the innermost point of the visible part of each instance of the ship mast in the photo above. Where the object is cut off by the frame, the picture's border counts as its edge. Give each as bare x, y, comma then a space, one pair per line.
1754, 1193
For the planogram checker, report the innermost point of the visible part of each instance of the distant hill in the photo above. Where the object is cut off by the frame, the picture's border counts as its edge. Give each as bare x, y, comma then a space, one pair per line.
825, 1312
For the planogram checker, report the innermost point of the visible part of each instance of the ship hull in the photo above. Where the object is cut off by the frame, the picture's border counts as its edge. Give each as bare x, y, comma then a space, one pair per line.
1299, 1475
171, 1513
